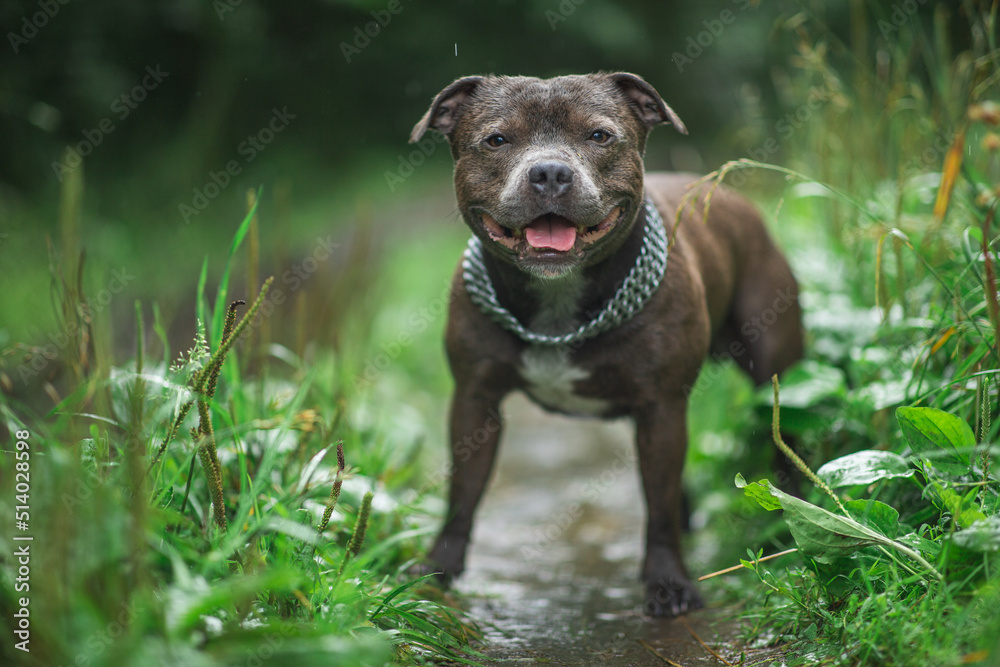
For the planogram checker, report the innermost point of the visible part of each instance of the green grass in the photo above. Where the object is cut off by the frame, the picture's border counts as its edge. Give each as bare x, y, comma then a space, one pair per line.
191, 509
132, 563
895, 243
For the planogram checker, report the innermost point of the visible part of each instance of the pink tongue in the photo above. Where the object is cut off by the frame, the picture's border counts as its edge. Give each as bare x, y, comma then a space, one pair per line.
555, 233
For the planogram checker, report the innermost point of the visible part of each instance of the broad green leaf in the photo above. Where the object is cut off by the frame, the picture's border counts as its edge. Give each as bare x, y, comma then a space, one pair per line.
935, 435
962, 509
982, 536
864, 467
805, 385
819, 533
881, 394
797, 421
875, 514
927, 547
825, 536
759, 491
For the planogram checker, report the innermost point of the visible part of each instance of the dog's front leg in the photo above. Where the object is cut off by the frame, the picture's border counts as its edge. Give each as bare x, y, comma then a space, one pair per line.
475, 432
661, 439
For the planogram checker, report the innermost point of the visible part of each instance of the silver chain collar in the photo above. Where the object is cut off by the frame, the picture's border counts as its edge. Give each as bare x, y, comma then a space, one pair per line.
635, 290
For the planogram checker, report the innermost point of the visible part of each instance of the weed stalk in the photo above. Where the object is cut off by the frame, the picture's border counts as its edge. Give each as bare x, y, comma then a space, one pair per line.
792, 456
204, 383
358, 536
331, 502
992, 306
205, 390
985, 457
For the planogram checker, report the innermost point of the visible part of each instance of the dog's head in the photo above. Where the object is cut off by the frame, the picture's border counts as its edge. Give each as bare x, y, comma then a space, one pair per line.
548, 173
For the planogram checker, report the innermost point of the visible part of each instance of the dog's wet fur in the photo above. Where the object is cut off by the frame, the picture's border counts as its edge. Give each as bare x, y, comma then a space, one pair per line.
549, 175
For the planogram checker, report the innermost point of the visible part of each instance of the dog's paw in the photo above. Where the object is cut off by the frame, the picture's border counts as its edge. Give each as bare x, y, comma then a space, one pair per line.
672, 597
446, 561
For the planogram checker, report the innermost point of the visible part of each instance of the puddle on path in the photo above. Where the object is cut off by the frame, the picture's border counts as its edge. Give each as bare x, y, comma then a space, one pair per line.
553, 570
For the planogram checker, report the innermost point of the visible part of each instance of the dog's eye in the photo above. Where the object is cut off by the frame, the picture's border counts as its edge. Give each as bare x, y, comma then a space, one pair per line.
600, 136
496, 140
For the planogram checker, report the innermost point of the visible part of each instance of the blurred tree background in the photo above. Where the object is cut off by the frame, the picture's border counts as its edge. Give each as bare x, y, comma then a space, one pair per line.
355, 76
175, 109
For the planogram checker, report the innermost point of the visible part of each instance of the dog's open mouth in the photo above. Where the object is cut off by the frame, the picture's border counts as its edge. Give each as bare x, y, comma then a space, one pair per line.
551, 232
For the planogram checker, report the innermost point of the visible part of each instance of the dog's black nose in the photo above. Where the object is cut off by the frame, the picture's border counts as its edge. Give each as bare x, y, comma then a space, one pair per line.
551, 178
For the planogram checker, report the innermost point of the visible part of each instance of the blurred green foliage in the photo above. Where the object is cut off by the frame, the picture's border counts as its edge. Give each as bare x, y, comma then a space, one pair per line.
863, 99
355, 75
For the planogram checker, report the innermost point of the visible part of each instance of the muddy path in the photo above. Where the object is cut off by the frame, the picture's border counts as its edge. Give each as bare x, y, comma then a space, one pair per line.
553, 571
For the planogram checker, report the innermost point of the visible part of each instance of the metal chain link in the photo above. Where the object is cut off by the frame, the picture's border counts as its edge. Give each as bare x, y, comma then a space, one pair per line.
638, 286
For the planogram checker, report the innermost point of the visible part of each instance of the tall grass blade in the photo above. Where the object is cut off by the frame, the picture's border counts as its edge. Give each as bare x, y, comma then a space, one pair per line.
218, 313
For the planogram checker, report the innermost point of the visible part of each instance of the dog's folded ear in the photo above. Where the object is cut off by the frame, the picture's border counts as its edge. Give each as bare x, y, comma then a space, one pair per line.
446, 107
648, 104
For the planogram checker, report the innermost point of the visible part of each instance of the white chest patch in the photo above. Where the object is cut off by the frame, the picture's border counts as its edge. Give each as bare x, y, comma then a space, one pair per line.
550, 377
547, 368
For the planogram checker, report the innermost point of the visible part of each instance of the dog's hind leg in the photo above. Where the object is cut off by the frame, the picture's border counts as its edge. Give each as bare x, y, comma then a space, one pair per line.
763, 333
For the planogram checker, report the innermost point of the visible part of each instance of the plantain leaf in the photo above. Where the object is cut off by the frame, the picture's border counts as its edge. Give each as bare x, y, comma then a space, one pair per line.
938, 438
759, 492
875, 514
962, 509
982, 536
922, 545
864, 467
806, 385
825, 536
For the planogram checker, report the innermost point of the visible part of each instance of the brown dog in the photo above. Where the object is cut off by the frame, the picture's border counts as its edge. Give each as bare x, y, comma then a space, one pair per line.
563, 292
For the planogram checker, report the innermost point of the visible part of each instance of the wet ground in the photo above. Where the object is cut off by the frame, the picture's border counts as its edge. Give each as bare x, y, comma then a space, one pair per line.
553, 570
